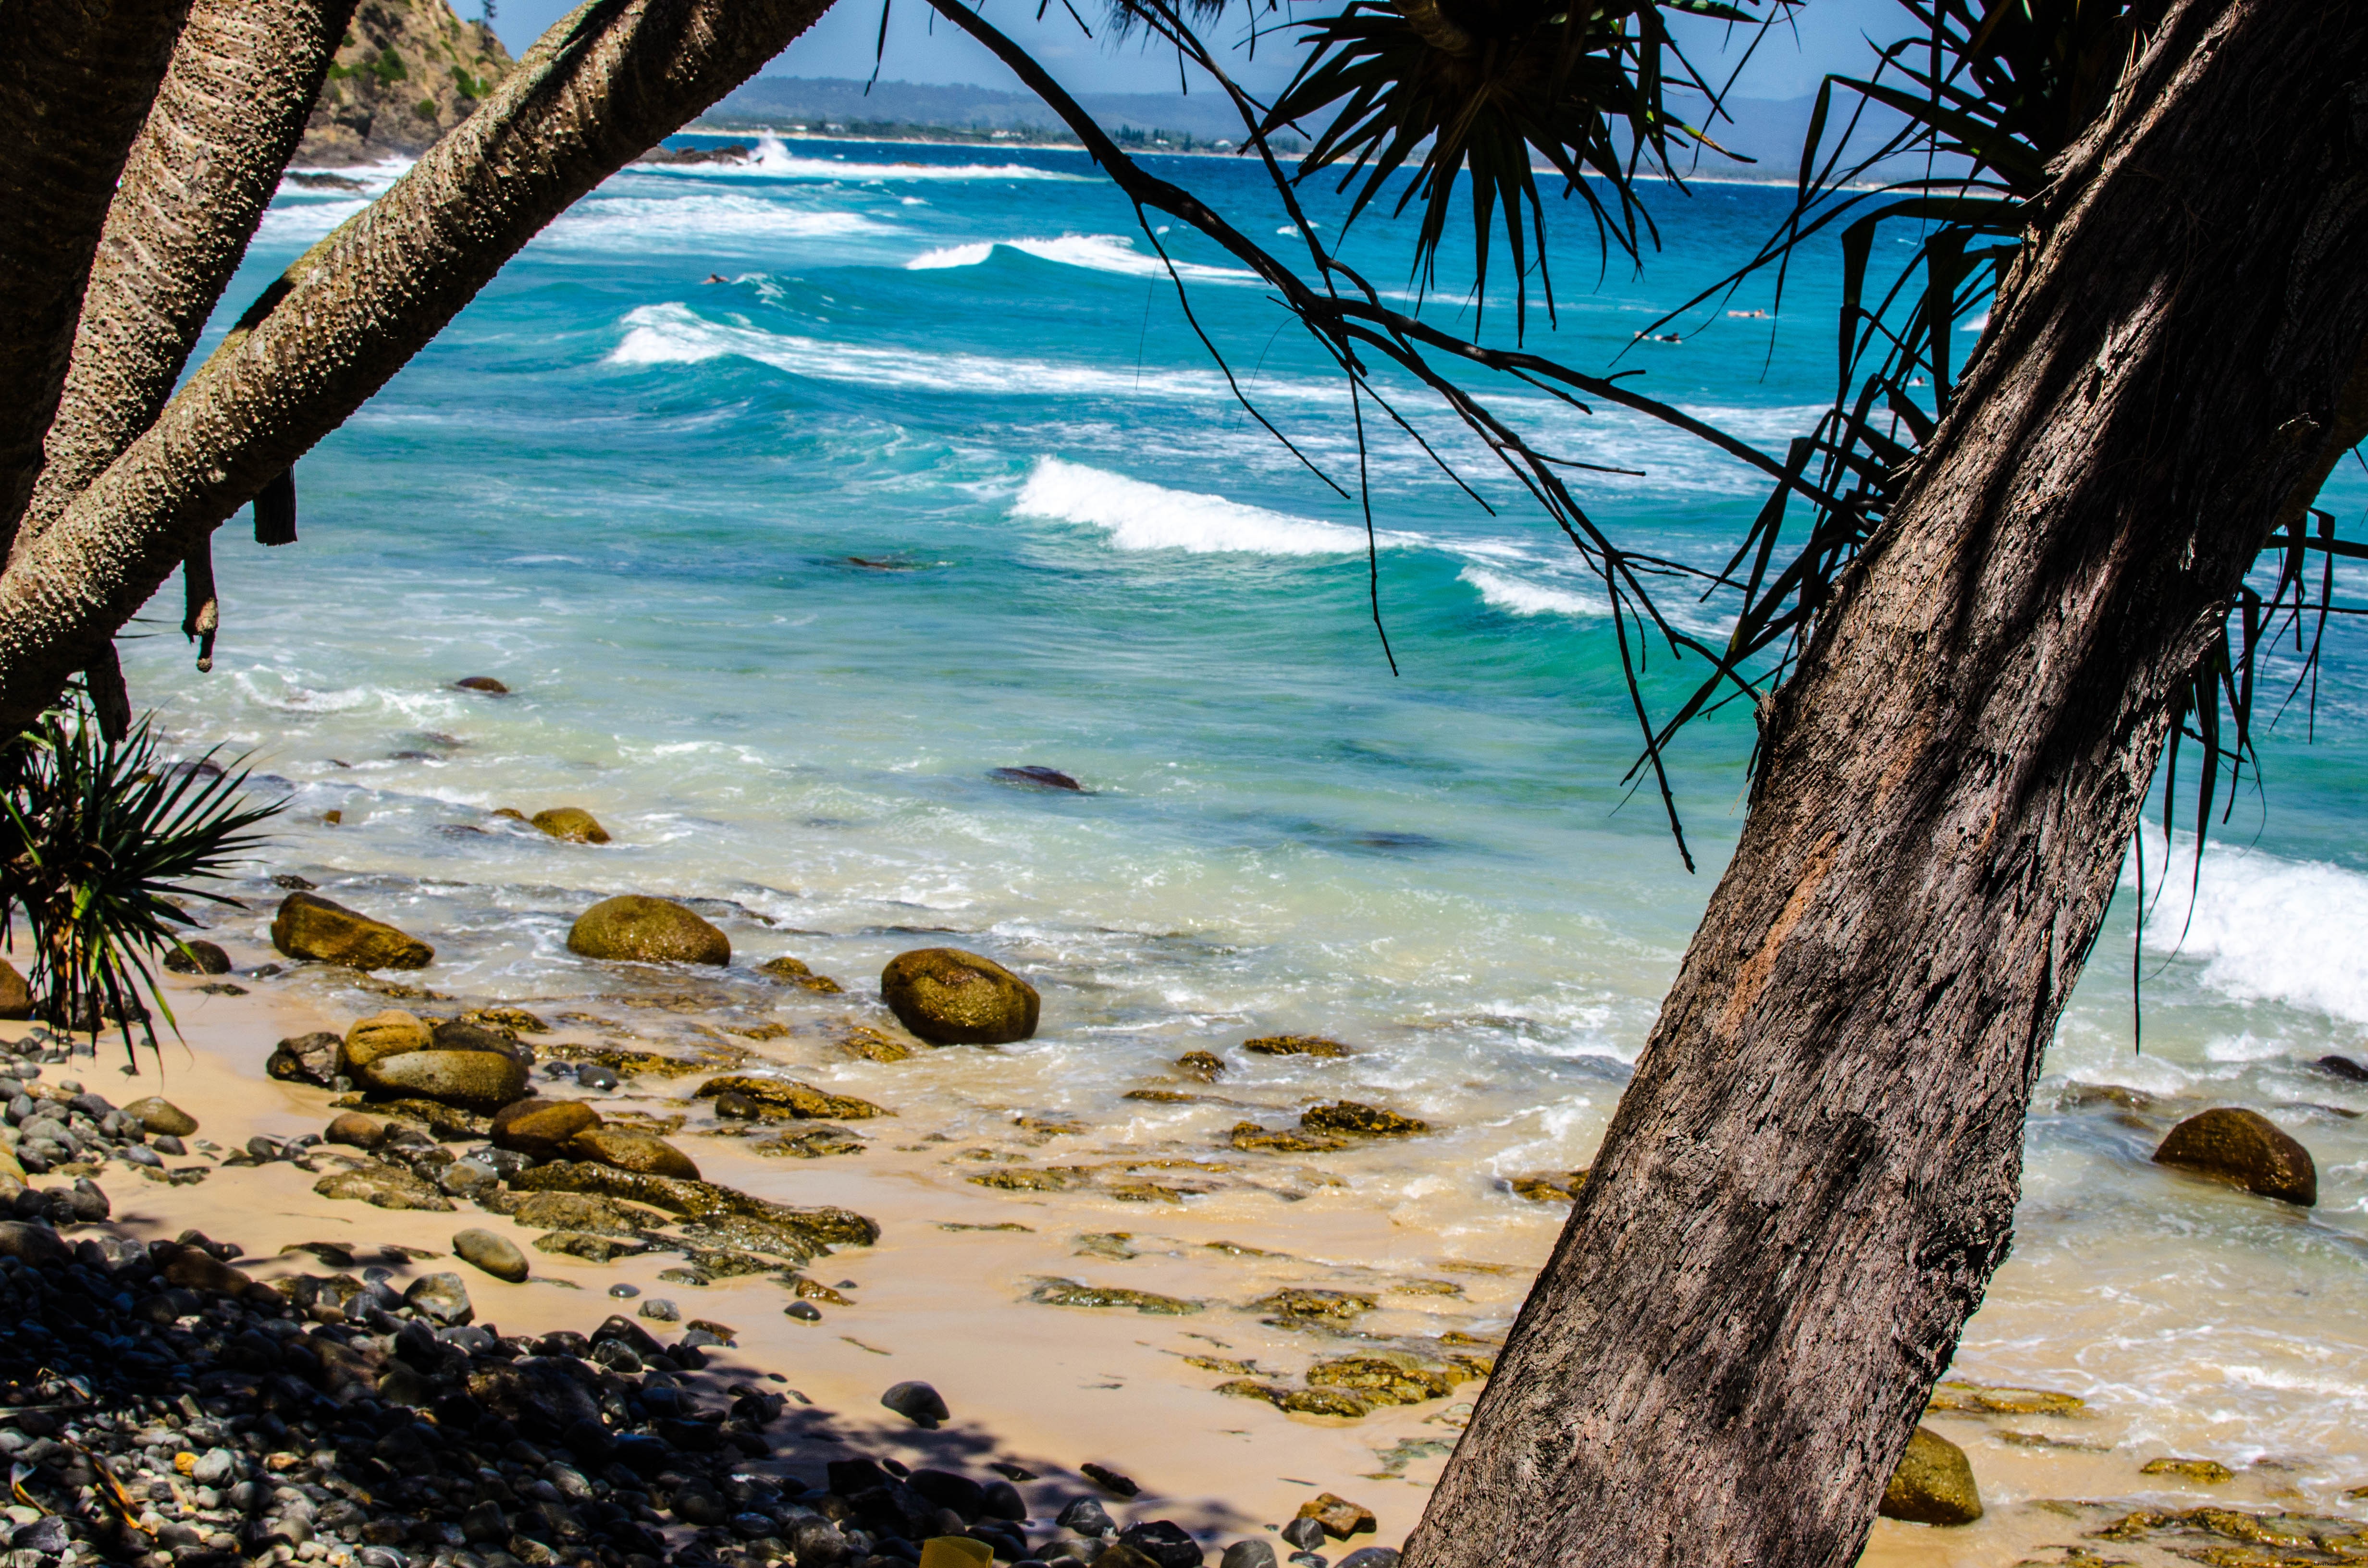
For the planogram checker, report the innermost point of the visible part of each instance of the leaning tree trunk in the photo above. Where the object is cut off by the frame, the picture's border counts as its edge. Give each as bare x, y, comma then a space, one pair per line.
1810, 1181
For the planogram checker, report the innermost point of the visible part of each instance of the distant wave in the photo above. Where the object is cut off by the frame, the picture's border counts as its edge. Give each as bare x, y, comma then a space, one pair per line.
620, 222
2266, 929
773, 160
675, 335
1098, 252
1138, 515
1517, 597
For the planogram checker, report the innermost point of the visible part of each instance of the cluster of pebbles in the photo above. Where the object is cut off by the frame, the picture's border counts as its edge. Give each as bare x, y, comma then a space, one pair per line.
159, 1406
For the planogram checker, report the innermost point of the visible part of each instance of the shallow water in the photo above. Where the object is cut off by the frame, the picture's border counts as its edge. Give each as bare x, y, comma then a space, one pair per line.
936, 480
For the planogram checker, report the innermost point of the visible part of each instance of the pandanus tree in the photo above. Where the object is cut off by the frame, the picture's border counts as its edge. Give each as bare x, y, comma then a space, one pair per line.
1982, 598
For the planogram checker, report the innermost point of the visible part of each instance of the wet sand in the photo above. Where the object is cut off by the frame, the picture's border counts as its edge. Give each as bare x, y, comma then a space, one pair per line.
944, 1298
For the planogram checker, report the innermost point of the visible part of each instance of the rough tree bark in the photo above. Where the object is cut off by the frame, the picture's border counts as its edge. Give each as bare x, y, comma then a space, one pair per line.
1807, 1185
600, 88
229, 114
76, 81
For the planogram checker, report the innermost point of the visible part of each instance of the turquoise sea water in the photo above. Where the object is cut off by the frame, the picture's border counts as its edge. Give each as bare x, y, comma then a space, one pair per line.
790, 500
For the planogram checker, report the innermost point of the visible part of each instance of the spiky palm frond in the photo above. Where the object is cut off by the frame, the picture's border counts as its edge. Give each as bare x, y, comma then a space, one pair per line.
1476, 90
97, 838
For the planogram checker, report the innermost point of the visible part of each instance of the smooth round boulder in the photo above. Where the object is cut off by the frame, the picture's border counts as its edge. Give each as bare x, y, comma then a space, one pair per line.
542, 1128
2244, 1149
950, 997
311, 926
497, 1255
1934, 1485
573, 824
636, 1151
194, 955
485, 684
632, 928
471, 1080
392, 1033
161, 1118
355, 1130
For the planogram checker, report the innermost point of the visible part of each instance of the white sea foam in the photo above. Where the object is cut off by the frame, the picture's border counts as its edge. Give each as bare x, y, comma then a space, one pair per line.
1516, 596
675, 335
1138, 516
774, 160
1095, 253
620, 222
295, 222
2267, 928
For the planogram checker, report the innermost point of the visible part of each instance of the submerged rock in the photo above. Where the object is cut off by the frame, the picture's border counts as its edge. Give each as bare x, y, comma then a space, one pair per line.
874, 1045
497, 1255
793, 971
630, 927
1964, 1398
310, 926
195, 956
1934, 1485
573, 824
2245, 1148
1035, 776
1076, 1293
948, 997
1300, 1306
1204, 1066
1346, 1402
485, 684
1296, 1045
786, 1097
1547, 1186
1350, 1119
1249, 1137
2211, 1472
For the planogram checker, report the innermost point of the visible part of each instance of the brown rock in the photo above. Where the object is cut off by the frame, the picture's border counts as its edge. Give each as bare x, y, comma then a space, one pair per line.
874, 1045
32, 1243
635, 1151
485, 684
573, 824
1296, 1045
16, 996
2245, 1149
472, 1080
950, 997
1547, 1186
794, 973
197, 956
194, 1268
1348, 1118
382, 1187
391, 1033
1205, 1066
306, 1059
786, 1097
630, 927
1934, 1485
355, 1130
1339, 1517
310, 926
542, 1128
1249, 1137
496, 1254
161, 1118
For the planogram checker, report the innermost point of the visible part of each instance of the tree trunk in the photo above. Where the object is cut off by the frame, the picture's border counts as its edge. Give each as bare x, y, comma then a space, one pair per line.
600, 88
76, 80
232, 106
1808, 1184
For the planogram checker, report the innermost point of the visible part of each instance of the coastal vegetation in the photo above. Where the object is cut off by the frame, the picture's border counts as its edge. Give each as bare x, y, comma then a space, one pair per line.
1986, 596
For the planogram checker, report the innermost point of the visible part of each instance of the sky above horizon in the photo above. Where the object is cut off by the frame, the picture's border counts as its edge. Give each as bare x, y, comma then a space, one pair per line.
1820, 37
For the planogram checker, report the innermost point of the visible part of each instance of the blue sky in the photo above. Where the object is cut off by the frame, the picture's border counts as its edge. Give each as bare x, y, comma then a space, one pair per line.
1824, 35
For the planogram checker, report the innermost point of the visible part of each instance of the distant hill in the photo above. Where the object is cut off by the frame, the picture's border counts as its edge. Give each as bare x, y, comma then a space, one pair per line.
407, 71
819, 100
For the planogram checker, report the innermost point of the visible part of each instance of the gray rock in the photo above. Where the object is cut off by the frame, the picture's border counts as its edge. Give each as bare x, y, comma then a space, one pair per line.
657, 1309
1304, 1533
496, 1255
1247, 1554
215, 1467
1088, 1516
804, 1312
592, 1076
916, 1402
1001, 1500
470, 1178
443, 1296
1371, 1557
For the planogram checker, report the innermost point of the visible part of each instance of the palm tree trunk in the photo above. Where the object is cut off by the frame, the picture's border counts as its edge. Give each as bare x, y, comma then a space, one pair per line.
600, 88
1807, 1185
232, 108
76, 81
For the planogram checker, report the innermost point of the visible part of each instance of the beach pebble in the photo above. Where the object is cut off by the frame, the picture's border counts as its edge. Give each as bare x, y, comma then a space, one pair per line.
542, 1128
1339, 1517
444, 1297
1163, 1542
916, 1402
162, 1116
1001, 1500
310, 926
573, 824
1247, 1554
355, 1130
737, 1107
1371, 1557
948, 997
1303, 1532
468, 1178
636, 1151
630, 927
2245, 1148
1086, 1516
1934, 1485
497, 1255
592, 1076
804, 1312
623, 1292
306, 1059
657, 1309
197, 956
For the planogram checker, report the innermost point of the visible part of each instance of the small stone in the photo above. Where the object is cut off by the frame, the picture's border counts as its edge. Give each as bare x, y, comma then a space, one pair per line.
793, 971
1163, 1542
589, 1247
310, 926
497, 1255
470, 1179
1296, 1045
573, 824
1347, 1118
917, 1403
1206, 1066
646, 930
637, 1152
162, 1117
1086, 1516
487, 685
306, 1059
948, 997
1111, 1481
444, 1297
381, 1035
1547, 1186
383, 1186
1371, 1557
874, 1045
657, 1309
542, 1128
2245, 1148
2211, 1472
592, 1076
624, 1292
737, 1107
355, 1130
1247, 1554
1249, 1137
805, 1312
1304, 1534
800, 1100
1934, 1485
1035, 776
194, 955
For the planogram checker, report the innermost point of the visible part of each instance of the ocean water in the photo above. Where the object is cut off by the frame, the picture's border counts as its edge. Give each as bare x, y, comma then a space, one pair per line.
790, 500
